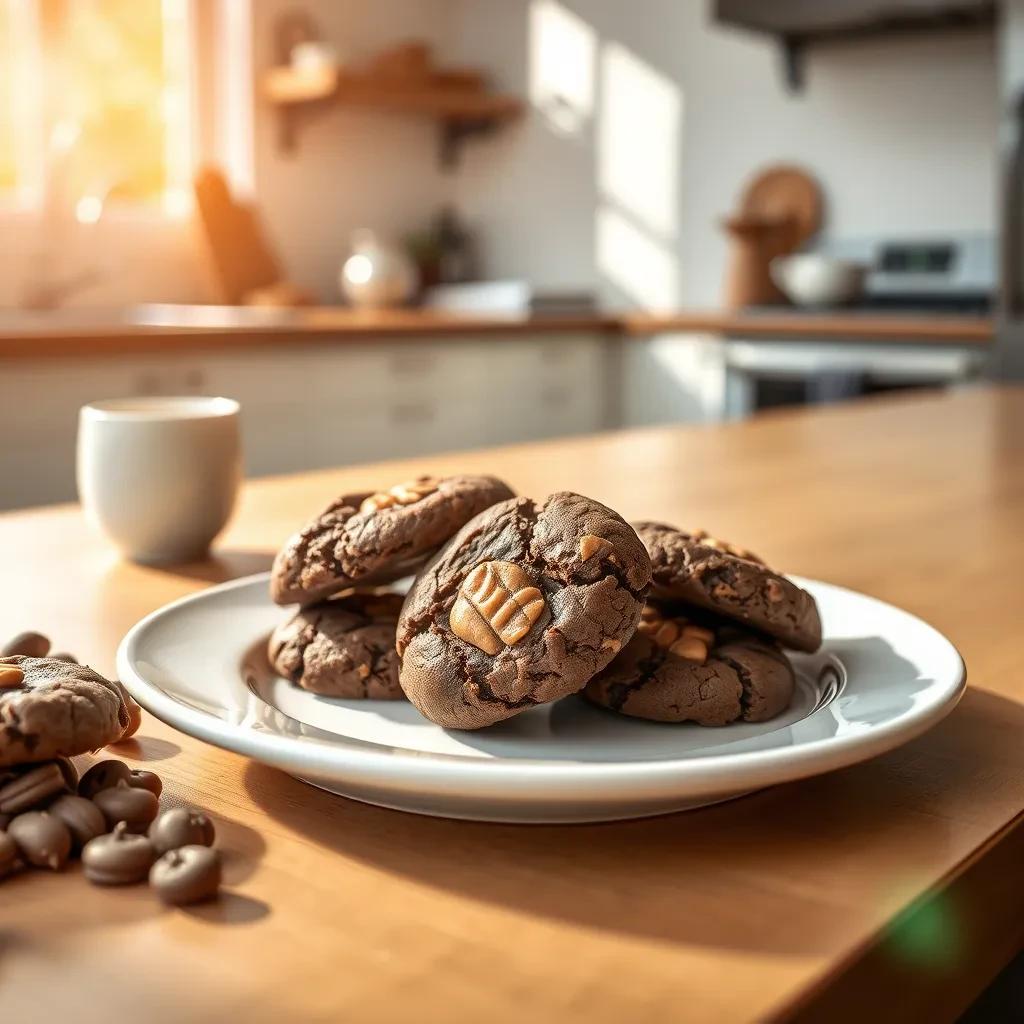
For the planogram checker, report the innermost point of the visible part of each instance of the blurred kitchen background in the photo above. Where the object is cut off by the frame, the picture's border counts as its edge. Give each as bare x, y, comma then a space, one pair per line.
392, 227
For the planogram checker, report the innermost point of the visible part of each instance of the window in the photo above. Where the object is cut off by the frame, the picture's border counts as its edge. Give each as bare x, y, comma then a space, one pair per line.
8, 171
95, 103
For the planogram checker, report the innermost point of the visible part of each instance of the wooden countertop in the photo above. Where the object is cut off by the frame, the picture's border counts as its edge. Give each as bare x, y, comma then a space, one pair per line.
183, 328
845, 325
890, 890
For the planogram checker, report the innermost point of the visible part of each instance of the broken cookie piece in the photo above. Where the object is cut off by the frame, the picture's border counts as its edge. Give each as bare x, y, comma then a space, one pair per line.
57, 709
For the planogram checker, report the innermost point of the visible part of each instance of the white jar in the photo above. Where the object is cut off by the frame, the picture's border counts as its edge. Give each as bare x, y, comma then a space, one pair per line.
377, 274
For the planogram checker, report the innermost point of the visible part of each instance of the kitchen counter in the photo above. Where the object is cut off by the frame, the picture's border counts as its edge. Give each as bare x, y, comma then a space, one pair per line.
889, 890
187, 328
843, 325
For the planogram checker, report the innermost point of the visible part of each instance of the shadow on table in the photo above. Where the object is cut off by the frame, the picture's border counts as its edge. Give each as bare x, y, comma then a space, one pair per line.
144, 748
645, 877
222, 565
230, 908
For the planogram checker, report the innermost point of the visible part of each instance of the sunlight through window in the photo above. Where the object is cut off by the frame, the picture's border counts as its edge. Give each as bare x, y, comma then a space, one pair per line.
644, 270
562, 55
8, 169
113, 119
639, 137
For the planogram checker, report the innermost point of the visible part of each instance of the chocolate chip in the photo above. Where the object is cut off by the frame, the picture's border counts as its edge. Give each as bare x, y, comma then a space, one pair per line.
32, 788
141, 779
31, 645
123, 802
120, 858
181, 826
186, 875
70, 773
103, 775
42, 839
8, 854
82, 817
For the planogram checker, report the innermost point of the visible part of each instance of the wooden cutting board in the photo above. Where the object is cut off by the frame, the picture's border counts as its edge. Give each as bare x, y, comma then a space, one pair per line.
241, 257
779, 210
785, 193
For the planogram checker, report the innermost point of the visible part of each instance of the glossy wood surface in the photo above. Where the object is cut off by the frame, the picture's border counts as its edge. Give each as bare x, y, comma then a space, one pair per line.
186, 328
788, 324
887, 891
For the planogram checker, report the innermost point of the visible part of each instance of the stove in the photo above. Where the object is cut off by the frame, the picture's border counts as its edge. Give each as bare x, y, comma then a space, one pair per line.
954, 273
951, 276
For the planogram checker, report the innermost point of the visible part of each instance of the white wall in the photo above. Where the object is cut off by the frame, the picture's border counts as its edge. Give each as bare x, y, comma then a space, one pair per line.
351, 169
901, 133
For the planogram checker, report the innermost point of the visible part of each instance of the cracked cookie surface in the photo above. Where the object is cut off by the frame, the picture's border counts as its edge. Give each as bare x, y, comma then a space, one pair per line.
344, 647
58, 710
745, 677
592, 574
352, 542
698, 570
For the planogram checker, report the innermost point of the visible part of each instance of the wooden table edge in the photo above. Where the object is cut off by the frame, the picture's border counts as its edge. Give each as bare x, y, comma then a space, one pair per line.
870, 979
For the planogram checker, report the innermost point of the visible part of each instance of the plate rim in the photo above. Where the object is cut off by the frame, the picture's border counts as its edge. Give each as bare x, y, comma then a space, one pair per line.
706, 774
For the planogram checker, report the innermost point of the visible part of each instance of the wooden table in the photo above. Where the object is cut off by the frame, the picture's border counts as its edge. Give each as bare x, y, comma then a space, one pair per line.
891, 890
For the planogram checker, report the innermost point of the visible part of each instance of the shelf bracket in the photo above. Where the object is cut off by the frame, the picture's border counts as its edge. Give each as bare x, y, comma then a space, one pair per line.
793, 54
453, 133
292, 116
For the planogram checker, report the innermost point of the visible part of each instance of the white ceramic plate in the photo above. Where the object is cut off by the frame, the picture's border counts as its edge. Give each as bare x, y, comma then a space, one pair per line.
881, 678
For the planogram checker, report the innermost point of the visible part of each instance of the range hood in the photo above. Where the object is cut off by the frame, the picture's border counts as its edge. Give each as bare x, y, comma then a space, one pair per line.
799, 22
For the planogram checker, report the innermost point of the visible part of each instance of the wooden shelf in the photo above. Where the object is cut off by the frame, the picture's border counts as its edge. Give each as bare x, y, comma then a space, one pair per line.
455, 99
286, 86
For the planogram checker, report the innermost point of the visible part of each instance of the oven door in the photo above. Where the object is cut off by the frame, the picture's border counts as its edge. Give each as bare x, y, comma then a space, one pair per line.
767, 374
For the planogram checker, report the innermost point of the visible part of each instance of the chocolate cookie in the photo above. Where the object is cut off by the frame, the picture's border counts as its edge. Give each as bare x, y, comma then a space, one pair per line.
57, 710
678, 670
701, 570
342, 648
520, 608
378, 536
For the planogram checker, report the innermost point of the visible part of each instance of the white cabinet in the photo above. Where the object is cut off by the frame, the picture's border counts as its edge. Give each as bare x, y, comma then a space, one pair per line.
673, 378
307, 406
39, 416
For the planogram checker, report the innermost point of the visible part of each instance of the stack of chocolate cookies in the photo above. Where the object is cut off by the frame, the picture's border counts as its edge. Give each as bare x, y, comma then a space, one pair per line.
341, 641
517, 603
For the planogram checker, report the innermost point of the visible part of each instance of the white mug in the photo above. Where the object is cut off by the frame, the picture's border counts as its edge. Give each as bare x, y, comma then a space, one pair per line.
159, 476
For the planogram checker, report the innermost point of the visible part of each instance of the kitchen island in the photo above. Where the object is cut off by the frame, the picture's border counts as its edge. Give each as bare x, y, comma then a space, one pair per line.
889, 890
